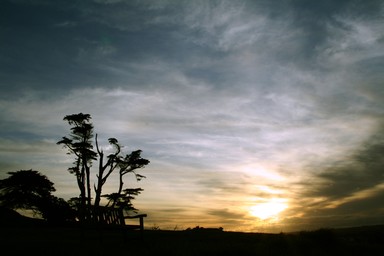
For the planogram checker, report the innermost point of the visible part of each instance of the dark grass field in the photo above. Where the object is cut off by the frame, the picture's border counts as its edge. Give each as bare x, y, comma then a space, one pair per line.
38, 238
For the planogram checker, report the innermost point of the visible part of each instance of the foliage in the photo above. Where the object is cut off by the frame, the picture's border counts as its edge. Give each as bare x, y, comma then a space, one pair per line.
28, 189
25, 189
79, 144
123, 199
57, 210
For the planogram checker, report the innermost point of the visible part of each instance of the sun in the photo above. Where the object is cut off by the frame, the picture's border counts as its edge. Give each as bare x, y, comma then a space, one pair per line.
268, 209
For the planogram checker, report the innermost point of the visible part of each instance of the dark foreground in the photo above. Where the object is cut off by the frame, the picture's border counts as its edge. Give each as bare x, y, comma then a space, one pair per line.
60, 240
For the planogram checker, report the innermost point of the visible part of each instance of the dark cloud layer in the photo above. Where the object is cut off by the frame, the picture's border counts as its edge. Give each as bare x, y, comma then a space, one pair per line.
361, 171
351, 190
50, 44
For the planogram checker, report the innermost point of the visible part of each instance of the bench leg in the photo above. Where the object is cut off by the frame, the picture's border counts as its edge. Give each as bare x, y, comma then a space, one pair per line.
141, 223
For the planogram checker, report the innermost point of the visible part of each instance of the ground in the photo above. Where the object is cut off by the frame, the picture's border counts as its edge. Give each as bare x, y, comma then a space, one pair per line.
38, 238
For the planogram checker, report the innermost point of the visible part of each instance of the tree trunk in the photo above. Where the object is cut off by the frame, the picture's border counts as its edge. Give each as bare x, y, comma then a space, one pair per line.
89, 196
121, 183
99, 179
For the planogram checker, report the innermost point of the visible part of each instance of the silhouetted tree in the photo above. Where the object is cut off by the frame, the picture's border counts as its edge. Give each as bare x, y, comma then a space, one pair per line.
80, 145
109, 166
25, 189
28, 189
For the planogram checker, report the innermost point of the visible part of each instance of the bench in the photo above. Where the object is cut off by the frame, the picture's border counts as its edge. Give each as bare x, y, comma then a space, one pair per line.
109, 216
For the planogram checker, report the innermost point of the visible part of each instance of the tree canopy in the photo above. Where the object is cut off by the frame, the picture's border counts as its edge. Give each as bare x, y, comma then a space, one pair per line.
25, 189
30, 190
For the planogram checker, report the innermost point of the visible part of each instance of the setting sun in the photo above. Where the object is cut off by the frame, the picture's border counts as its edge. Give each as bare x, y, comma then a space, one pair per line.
268, 209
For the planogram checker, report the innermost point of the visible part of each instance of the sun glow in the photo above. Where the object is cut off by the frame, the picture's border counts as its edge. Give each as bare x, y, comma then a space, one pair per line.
259, 171
269, 209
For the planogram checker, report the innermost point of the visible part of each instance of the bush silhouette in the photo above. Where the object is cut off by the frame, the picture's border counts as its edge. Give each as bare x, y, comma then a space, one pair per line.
28, 189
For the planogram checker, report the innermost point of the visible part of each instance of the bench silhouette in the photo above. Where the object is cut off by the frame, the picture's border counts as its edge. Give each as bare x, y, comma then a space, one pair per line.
110, 216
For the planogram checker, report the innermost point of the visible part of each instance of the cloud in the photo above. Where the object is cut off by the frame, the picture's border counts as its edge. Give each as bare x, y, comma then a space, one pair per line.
359, 172
108, 1
66, 24
346, 193
225, 215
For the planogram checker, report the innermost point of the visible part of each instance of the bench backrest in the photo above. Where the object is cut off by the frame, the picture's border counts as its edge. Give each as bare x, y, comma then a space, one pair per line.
104, 215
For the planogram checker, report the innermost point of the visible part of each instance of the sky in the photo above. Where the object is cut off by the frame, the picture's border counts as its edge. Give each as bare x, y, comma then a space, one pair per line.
256, 116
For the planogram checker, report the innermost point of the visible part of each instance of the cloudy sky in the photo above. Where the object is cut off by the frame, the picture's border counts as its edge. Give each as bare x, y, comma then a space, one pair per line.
255, 115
